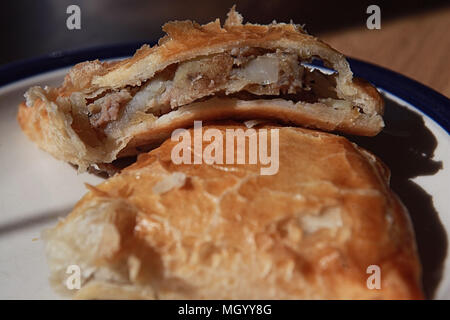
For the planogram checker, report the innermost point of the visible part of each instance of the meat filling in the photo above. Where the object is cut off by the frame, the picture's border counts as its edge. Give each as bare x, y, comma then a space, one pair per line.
251, 71
107, 108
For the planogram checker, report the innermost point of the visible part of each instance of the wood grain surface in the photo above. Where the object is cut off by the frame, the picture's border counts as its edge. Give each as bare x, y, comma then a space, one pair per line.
417, 46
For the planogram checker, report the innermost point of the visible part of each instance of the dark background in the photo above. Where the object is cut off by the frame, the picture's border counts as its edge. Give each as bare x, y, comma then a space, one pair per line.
35, 27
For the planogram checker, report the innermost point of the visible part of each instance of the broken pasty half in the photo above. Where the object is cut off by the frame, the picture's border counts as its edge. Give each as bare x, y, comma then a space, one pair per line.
325, 226
107, 110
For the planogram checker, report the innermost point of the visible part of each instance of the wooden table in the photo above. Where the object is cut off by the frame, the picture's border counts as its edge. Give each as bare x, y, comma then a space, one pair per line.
416, 46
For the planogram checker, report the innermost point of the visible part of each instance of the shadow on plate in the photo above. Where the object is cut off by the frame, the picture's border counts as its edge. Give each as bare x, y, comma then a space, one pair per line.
27, 222
407, 146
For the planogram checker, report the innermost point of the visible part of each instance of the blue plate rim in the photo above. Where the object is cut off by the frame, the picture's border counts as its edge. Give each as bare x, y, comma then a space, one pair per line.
430, 102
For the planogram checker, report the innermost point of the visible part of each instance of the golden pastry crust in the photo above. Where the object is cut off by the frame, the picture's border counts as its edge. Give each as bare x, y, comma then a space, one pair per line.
83, 144
163, 231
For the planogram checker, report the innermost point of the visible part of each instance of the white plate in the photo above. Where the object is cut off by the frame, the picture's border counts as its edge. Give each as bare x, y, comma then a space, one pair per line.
36, 189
